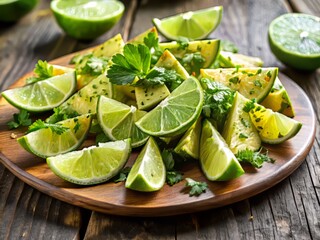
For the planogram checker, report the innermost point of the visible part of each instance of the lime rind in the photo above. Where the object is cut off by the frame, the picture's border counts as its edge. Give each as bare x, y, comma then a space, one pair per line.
43, 95
92, 165
148, 172
45, 143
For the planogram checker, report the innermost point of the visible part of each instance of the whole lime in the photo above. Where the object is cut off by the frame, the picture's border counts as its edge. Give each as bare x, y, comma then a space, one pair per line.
13, 10
85, 19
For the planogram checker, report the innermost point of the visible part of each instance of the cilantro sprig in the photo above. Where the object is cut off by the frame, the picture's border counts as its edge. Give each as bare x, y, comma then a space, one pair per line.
39, 124
256, 159
196, 188
20, 119
172, 176
43, 70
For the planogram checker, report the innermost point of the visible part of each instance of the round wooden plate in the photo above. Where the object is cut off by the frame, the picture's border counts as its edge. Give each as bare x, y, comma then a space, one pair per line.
114, 198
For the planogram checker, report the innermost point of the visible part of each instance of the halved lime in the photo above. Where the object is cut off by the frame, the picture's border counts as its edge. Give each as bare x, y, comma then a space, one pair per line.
216, 159
189, 144
273, 127
43, 95
13, 10
278, 100
148, 172
231, 60
91, 165
208, 49
45, 143
250, 82
192, 25
176, 113
294, 39
117, 121
85, 19
238, 131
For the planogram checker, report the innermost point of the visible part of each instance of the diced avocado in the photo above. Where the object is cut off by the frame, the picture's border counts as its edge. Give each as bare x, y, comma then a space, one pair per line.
139, 39
110, 47
148, 97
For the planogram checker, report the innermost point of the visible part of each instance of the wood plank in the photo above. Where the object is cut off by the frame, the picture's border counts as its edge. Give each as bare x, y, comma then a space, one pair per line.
307, 6
28, 214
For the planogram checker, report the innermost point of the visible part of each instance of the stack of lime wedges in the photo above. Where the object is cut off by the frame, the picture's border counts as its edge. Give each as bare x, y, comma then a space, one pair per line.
140, 112
295, 40
84, 19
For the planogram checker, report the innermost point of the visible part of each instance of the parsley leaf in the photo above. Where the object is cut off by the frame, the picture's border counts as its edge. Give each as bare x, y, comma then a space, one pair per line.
20, 119
152, 42
256, 159
43, 70
39, 124
197, 188
122, 176
218, 100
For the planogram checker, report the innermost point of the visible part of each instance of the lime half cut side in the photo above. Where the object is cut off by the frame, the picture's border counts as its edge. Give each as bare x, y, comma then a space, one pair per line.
216, 159
91, 165
45, 143
294, 39
85, 19
43, 95
148, 172
175, 114
192, 25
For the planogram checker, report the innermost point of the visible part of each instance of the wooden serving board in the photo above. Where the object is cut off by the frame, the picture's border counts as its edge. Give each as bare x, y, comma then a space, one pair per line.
114, 198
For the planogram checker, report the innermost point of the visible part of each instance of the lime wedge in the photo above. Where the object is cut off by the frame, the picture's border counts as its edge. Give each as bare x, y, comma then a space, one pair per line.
91, 165
273, 127
192, 25
238, 131
43, 95
216, 159
13, 10
117, 121
250, 82
85, 19
148, 172
45, 143
188, 146
230, 60
278, 100
294, 39
176, 113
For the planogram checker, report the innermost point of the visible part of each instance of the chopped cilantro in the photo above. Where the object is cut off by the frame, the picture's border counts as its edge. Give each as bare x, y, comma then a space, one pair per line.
39, 124
193, 62
197, 188
256, 159
20, 119
172, 176
249, 105
43, 70
243, 136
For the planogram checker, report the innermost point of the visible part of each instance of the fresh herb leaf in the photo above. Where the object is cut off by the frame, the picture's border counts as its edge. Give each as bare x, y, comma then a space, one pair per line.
93, 66
43, 70
101, 138
122, 176
183, 43
77, 126
173, 177
197, 188
167, 157
228, 46
20, 119
39, 124
256, 159
193, 62
249, 105
218, 100
57, 116
152, 42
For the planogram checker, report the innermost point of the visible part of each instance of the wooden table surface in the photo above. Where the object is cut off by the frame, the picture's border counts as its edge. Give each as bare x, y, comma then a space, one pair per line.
289, 210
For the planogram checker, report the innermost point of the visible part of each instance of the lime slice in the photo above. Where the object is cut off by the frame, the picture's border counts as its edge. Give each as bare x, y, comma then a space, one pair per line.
188, 146
230, 60
176, 113
273, 127
278, 100
250, 82
45, 143
216, 159
91, 165
117, 121
208, 49
43, 95
85, 19
13, 10
192, 25
294, 39
148, 172
238, 131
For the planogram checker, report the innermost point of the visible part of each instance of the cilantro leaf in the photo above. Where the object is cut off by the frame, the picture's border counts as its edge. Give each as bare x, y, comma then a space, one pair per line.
197, 188
20, 119
218, 100
183, 43
256, 159
122, 176
249, 105
43, 70
193, 62
101, 138
152, 42
173, 177
93, 66
39, 124
167, 158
